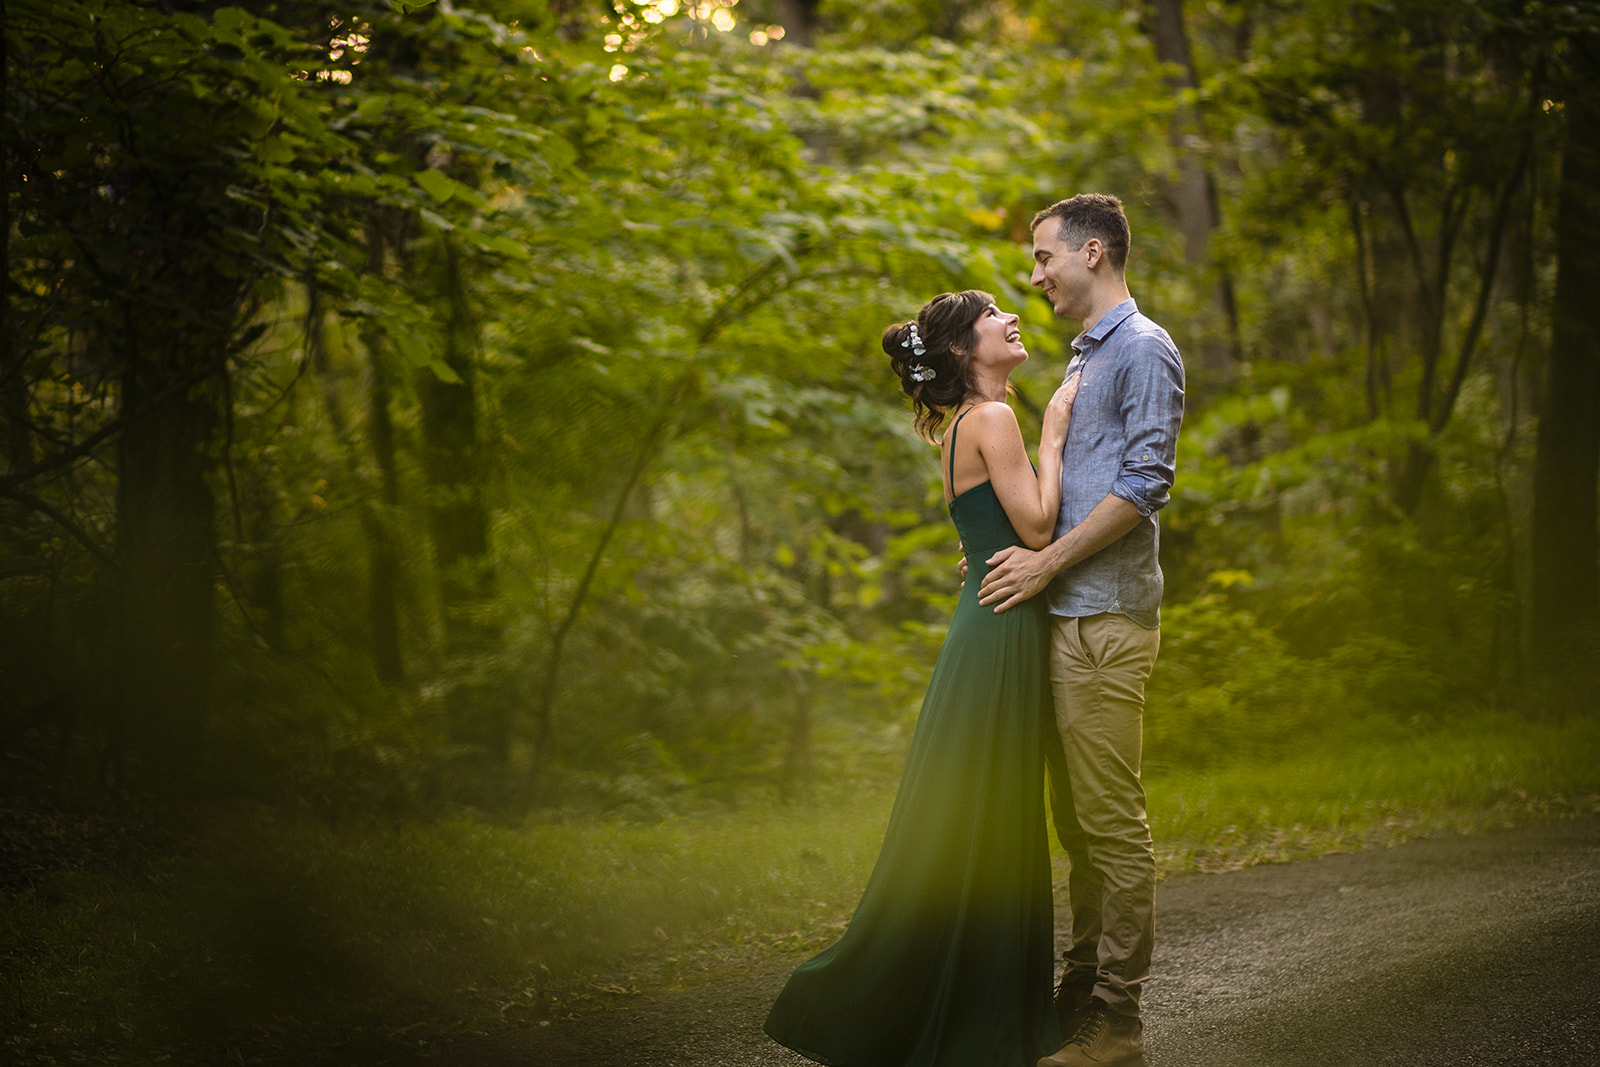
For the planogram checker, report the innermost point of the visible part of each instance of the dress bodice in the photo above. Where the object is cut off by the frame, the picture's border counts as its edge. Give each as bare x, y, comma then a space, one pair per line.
982, 524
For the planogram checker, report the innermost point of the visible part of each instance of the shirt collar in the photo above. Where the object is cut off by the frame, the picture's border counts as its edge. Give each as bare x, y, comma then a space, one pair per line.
1102, 328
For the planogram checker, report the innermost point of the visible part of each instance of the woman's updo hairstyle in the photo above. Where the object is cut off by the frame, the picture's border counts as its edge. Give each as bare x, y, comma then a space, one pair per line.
940, 378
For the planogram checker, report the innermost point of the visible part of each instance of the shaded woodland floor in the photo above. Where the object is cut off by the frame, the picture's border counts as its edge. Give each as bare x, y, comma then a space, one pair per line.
1454, 951
245, 933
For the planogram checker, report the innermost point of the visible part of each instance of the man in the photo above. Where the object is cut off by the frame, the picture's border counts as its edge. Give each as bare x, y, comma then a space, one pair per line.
1104, 595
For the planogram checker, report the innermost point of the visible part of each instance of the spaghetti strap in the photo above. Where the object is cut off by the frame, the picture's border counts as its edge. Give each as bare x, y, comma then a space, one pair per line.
950, 481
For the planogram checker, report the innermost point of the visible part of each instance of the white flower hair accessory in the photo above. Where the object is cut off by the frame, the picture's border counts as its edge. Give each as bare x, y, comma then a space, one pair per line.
920, 373
914, 342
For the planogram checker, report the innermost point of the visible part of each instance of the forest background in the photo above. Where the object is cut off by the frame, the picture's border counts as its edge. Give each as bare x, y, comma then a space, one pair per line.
436, 433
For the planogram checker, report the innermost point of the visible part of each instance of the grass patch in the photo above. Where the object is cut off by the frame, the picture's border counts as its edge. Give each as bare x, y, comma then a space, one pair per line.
257, 932
1377, 787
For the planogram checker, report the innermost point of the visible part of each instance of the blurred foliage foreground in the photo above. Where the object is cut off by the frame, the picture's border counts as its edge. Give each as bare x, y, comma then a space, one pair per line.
259, 935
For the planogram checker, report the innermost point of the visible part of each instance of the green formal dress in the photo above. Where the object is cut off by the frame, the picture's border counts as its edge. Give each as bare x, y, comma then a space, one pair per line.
948, 959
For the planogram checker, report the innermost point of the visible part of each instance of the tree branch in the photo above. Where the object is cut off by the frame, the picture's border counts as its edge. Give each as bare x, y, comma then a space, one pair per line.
1367, 310
94, 440
1502, 209
649, 447
60, 518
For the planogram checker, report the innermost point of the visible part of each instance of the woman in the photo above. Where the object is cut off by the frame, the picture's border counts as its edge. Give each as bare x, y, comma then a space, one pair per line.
948, 959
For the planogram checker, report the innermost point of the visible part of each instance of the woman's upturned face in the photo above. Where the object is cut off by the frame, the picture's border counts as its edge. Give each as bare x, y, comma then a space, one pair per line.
997, 340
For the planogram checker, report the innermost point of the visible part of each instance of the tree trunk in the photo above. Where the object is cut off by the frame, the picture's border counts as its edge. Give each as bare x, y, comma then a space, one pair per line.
377, 515
385, 231
166, 568
264, 582
377, 521
459, 521
798, 18
799, 767
13, 383
1566, 586
1194, 195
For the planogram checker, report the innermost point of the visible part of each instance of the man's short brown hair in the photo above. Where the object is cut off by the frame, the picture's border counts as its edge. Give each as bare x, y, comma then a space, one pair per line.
1091, 215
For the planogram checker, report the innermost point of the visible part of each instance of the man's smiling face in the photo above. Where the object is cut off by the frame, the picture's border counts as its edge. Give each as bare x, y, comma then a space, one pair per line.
1062, 273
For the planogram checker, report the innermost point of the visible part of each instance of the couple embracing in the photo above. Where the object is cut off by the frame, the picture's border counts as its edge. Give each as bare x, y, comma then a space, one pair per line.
949, 960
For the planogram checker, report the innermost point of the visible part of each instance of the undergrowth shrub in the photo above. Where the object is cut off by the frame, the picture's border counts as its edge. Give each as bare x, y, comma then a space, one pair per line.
1226, 686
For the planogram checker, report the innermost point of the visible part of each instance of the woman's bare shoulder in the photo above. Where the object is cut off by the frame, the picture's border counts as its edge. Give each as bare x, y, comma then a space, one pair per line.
993, 417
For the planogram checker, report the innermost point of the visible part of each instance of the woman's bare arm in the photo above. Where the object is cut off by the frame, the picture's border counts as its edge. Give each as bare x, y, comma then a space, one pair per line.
1031, 500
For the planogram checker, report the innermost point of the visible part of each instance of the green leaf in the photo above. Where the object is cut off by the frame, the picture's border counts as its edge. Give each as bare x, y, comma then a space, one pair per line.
444, 373
412, 348
497, 243
443, 188
558, 151
437, 220
435, 184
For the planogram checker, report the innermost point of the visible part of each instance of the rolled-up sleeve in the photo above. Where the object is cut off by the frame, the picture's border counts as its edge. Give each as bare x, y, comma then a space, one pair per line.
1152, 412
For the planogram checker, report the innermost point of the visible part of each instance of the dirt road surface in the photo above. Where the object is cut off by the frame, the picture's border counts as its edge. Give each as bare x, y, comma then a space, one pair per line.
1454, 951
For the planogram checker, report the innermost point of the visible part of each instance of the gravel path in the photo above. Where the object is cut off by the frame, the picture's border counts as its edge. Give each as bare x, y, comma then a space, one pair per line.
1458, 951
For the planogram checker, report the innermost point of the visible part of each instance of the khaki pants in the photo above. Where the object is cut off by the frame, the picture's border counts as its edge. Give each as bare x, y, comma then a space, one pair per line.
1098, 669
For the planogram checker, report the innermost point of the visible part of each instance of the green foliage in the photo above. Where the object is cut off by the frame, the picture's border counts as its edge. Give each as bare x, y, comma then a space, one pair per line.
1228, 687
655, 255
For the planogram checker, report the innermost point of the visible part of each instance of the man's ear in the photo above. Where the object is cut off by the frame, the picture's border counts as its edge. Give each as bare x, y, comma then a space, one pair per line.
1094, 251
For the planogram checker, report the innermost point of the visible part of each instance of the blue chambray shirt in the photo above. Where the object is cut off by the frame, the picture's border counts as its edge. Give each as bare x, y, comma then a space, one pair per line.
1123, 439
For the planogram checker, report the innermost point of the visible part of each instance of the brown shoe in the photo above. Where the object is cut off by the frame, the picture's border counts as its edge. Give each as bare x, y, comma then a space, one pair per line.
1072, 1006
1102, 1039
